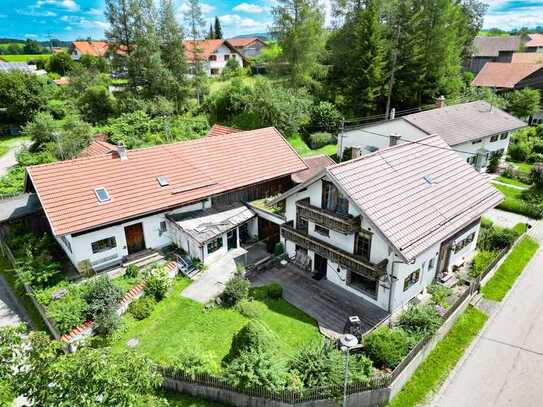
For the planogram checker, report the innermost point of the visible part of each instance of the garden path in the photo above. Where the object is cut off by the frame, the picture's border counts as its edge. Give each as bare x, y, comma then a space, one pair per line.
10, 311
9, 159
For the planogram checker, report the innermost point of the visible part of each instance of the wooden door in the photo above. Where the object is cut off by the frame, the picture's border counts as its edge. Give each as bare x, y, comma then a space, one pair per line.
135, 241
321, 266
232, 239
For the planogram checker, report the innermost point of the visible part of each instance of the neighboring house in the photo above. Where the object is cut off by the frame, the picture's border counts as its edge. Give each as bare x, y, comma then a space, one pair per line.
475, 130
21, 66
93, 48
213, 54
504, 77
249, 47
386, 225
491, 49
527, 58
218, 130
534, 43
114, 203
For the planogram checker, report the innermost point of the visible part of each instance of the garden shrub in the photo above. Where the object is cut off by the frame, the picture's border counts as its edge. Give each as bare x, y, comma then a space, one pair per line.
132, 271
251, 309
142, 307
360, 368
256, 369
199, 264
192, 363
537, 147
318, 140
535, 158
275, 291
100, 294
420, 320
536, 175
387, 347
495, 238
318, 364
439, 294
521, 207
480, 262
278, 249
67, 313
107, 321
325, 117
235, 290
157, 282
272, 291
254, 335
494, 161
519, 151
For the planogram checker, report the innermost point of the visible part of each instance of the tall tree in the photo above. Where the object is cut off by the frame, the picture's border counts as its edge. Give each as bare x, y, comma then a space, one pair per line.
473, 12
357, 57
217, 29
211, 33
195, 22
298, 27
120, 35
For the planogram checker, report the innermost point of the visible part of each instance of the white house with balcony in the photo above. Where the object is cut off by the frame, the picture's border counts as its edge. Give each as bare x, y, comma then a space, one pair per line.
475, 130
387, 224
212, 54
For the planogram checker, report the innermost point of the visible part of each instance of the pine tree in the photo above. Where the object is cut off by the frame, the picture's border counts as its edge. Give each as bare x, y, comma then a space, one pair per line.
217, 29
195, 22
298, 27
211, 33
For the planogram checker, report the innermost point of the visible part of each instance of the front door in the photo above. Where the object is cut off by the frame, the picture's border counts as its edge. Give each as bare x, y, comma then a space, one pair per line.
444, 256
321, 264
232, 239
135, 241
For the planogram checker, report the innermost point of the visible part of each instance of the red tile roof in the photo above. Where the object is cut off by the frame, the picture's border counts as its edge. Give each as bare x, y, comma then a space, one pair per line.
527, 58
416, 194
97, 147
205, 48
244, 41
504, 75
315, 164
94, 48
218, 130
536, 40
195, 170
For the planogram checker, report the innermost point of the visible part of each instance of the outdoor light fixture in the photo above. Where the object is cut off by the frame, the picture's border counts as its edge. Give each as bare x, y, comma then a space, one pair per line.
347, 341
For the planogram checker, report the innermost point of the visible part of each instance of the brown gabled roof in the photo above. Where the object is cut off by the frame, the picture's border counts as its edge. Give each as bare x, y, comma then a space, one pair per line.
244, 41
94, 48
204, 48
527, 58
315, 164
536, 40
97, 147
195, 170
416, 194
485, 46
218, 130
504, 75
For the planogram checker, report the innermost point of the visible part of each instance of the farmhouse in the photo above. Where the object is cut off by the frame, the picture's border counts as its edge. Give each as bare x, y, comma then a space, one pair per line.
249, 47
92, 48
475, 130
385, 225
213, 54
113, 204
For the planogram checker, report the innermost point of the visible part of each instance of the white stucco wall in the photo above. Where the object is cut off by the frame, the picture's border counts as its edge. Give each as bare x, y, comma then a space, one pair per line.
220, 63
465, 149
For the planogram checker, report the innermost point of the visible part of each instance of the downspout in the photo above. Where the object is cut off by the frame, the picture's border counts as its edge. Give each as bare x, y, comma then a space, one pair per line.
392, 278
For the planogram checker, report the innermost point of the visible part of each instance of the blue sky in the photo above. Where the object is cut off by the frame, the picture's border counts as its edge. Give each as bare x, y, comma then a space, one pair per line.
70, 19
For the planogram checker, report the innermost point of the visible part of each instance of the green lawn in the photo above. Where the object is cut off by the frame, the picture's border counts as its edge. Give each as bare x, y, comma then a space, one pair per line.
7, 142
183, 400
435, 369
513, 202
510, 181
498, 286
23, 58
178, 324
524, 167
303, 149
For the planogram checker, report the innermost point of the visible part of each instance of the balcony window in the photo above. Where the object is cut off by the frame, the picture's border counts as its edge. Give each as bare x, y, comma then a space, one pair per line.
301, 224
334, 200
363, 245
362, 284
213, 57
411, 279
322, 231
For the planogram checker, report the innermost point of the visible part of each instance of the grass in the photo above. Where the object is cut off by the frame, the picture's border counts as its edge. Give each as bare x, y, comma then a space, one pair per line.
263, 204
524, 167
511, 181
24, 300
513, 202
303, 149
178, 325
24, 57
183, 400
498, 286
435, 369
8, 141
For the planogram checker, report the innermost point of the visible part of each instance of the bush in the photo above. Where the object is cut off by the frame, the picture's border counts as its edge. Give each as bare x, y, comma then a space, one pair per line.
232, 69
360, 368
68, 312
420, 320
100, 294
523, 208
325, 117
278, 249
496, 238
254, 335
251, 309
387, 347
132, 271
494, 161
317, 140
480, 262
318, 364
536, 175
107, 321
275, 291
439, 294
142, 307
535, 158
519, 151
157, 282
255, 369
236, 290
192, 363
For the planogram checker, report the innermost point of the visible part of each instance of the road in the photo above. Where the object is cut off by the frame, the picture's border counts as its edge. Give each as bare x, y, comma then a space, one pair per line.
504, 366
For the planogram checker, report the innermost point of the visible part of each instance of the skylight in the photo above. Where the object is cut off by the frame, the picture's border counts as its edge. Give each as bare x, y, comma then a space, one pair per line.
102, 195
163, 181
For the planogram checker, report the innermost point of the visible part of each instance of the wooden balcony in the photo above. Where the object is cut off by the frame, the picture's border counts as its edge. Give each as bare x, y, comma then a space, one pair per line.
346, 224
348, 260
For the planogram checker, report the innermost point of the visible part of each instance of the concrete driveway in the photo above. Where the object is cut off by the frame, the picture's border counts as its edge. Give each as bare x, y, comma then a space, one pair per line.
504, 366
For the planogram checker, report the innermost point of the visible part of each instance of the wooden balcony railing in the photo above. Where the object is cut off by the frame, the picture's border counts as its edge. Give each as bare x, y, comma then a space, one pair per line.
348, 260
346, 224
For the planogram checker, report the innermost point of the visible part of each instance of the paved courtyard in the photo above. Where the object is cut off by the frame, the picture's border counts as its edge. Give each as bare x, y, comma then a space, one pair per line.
327, 303
507, 219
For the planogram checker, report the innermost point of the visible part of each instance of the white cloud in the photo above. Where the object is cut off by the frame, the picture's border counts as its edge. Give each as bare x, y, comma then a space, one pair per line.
206, 8
248, 8
509, 20
70, 5
35, 13
234, 20
95, 12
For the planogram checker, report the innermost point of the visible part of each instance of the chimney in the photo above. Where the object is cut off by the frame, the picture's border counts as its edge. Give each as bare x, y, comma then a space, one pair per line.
440, 102
394, 137
356, 152
121, 151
